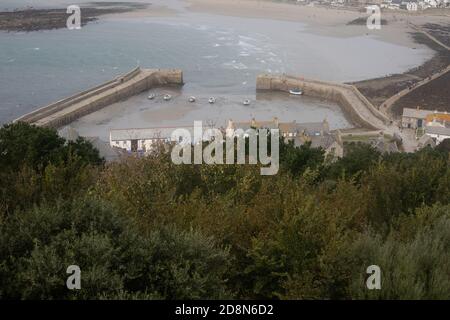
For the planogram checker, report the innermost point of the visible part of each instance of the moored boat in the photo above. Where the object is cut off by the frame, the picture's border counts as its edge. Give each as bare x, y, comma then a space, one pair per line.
296, 92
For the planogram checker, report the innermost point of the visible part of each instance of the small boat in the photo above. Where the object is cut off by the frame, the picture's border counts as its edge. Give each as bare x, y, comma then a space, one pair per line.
212, 100
192, 99
246, 102
296, 92
151, 96
167, 97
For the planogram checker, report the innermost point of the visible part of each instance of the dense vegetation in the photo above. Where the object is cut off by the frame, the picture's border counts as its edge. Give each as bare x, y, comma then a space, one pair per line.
148, 229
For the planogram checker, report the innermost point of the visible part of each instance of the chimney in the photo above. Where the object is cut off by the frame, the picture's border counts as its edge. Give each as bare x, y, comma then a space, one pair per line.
253, 125
230, 124
325, 126
229, 131
276, 122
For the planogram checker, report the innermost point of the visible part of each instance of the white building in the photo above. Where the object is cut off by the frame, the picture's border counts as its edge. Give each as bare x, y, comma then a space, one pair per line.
431, 3
394, 6
438, 133
422, 5
411, 6
414, 118
142, 140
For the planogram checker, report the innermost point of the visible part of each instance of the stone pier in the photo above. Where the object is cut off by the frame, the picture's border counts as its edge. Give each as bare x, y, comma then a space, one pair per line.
357, 108
65, 111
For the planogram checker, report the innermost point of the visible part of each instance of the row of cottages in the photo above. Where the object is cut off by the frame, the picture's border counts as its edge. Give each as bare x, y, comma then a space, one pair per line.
414, 5
436, 125
415, 118
316, 133
143, 139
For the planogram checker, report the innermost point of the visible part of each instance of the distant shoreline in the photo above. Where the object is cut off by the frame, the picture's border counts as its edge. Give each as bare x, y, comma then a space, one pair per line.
28, 20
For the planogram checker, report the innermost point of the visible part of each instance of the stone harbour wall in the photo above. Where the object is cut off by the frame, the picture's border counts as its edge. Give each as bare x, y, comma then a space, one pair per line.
72, 108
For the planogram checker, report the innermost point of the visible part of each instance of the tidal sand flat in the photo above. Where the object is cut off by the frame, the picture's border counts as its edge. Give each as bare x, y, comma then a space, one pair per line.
139, 112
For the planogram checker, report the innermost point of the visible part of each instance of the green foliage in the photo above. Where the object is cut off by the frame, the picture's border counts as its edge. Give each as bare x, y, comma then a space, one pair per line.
414, 260
38, 165
444, 146
22, 144
145, 228
36, 247
404, 182
359, 157
297, 159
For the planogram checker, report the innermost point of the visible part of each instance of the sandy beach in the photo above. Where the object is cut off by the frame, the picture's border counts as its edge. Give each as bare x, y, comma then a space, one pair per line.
334, 22
325, 21
319, 20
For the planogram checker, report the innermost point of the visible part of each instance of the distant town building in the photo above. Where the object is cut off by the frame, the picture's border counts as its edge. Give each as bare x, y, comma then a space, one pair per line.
411, 6
287, 129
438, 119
431, 3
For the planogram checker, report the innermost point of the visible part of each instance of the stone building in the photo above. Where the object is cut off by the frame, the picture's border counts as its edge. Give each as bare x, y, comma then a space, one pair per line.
414, 118
142, 140
316, 133
438, 133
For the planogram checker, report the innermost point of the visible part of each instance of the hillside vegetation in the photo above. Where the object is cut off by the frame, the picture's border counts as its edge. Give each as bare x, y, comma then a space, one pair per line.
144, 228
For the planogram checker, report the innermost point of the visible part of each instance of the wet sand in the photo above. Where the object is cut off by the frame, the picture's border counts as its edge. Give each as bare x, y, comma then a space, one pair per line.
139, 112
324, 21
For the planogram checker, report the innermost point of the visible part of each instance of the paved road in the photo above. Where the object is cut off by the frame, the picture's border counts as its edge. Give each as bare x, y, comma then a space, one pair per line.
409, 141
386, 106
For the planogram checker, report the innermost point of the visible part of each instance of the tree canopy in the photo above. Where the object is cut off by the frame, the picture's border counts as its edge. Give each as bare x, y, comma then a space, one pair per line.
145, 228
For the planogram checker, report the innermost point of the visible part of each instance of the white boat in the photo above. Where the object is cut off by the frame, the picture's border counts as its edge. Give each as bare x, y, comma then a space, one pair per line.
296, 92
167, 97
246, 102
192, 99
151, 96
212, 100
